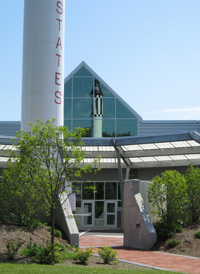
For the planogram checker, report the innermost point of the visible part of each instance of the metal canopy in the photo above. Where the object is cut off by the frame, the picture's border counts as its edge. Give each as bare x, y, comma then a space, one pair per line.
146, 152
135, 152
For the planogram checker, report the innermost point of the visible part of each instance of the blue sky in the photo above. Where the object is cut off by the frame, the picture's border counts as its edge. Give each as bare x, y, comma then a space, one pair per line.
148, 51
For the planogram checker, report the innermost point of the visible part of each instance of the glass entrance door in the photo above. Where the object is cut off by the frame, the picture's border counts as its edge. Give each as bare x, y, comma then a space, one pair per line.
111, 213
88, 211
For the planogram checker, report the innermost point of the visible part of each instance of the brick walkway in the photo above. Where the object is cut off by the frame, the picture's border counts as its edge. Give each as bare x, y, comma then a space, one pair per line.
148, 258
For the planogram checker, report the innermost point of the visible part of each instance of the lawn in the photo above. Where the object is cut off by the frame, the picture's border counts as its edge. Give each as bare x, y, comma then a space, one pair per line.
61, 269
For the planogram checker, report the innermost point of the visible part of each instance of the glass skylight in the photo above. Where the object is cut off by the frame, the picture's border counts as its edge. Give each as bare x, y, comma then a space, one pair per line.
135, 160
4, 159
148, 159
163, 158
131, 147
164, 145
178, 157
149, 146
193, 156
193, 143
102, 160
180, 144
98, 148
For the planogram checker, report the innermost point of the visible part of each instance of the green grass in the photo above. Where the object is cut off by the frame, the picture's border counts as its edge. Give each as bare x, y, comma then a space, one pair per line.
48, 269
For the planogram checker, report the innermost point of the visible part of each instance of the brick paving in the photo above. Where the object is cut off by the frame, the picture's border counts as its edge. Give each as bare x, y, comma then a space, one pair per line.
155, 259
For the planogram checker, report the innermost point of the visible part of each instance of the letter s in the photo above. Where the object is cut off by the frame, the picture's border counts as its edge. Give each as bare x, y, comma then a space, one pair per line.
60, 9
58, 97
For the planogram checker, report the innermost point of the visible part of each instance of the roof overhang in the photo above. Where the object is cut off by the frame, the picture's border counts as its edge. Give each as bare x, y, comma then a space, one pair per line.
169, 150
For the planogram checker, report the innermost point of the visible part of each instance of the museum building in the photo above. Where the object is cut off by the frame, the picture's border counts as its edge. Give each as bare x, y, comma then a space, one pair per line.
130, 148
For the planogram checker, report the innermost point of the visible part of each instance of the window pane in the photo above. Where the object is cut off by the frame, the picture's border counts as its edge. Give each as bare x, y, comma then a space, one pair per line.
99, 195
67, 123
82, 86
122, 111
119, 192
106, 93
86, 124
110, 207
126, 127
111, 191
108, 128
88, 191
99, 222
108, 108
67, 108
110, 219
82, 108
83, 72
68, 88
99, 210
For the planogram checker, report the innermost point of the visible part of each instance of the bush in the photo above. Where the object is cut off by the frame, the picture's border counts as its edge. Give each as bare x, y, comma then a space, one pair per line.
108, 254
83, 256
60, 247
57, 233
31, 249
67, 256
30, 222
193, 191
172, 242
168, 196
49, 254
197, 235
166, 230
12, 249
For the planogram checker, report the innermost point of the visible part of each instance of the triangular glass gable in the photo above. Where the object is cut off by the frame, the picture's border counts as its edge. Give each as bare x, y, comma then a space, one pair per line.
83, 72
91, 104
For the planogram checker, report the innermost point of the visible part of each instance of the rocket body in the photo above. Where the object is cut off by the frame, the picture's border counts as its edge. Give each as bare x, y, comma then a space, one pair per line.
43, 61
97, 110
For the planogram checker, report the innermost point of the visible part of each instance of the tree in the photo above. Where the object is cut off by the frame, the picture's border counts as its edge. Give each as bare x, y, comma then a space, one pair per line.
193, 191
167, 193
19, 202
50, 156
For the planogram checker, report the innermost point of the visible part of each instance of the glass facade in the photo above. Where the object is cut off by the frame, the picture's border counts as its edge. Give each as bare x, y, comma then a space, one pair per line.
90, 105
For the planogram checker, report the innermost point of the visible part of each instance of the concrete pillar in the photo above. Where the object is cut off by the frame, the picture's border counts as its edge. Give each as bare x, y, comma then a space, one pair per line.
139, 231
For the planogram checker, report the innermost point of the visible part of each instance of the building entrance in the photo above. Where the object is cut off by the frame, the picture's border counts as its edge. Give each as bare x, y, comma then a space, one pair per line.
100, 204
99, 213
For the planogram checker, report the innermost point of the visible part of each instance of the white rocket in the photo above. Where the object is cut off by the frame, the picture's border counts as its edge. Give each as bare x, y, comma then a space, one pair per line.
43, 61
97, 110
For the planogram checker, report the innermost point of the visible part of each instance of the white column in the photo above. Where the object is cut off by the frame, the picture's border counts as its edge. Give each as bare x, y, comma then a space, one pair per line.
43, 61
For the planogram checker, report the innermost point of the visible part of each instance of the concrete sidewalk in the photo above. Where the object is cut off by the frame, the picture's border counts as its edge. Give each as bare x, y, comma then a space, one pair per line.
153, 259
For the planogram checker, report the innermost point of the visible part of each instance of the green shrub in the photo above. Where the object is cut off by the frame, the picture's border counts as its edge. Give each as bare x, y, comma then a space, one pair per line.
60, 247
197, 235
165, 230
31, 249
57, 233
30, 222
49, 254
168, 196
12, 249
83, 256
108, 254
67, 256
172, 242
70, 247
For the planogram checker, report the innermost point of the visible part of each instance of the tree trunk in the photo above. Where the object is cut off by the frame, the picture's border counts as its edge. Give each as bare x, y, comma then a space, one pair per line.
52, 224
